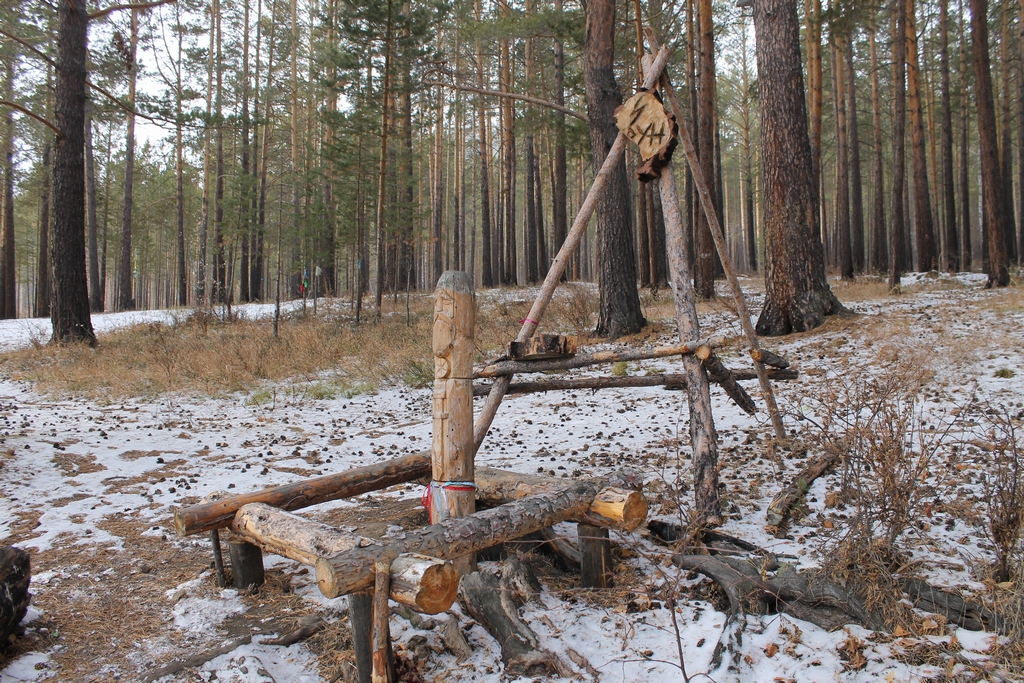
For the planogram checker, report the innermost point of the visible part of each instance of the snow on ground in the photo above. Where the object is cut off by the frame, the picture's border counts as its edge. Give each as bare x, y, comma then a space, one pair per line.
90, 491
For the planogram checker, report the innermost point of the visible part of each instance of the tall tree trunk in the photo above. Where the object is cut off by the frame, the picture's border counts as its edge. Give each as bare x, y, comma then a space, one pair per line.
559, 200
620, 311
797, 295
966, 259
257, 280
812, 12
220, 272
487, 266
437, 192
245, 196
69, 302
179, 168
92, 224
842, 224
749, 226
1006, 148
1020, 134
856, 184
42, 308
992, 177
510, 272
924, 231
125, 295
899, 60
704, 247
202, 287
382, 178
8, 280
946, 126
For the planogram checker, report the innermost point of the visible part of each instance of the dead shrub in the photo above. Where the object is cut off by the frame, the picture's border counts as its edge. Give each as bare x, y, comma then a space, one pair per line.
873, 425
1003, 481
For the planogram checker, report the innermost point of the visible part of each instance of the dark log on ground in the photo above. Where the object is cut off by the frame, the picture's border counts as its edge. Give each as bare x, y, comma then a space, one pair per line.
542, 346
562, 547
311, 627
718, 373
777, 515
219, 513
970, 615
15, 574
490, 602
514, 367
768, 358
669, 381
805, 595
715, 542
352, 570
196, 661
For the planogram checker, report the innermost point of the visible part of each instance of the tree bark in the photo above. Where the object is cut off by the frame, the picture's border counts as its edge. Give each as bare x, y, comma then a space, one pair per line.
878, 256
856, 186
842, 198
69, 304
42, 308
897, 228
8, 276
952, 249
620, 311
924, 229
797, 293
705, 259
992, 177
382, 173
125, 293
15, 574
1006, 147
966, 259
559, 208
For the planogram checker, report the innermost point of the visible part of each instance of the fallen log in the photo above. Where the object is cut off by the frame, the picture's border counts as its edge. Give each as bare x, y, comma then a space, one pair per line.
15, 574
669, 381
423, 583
619, 505
718, 373
352, 570
308, 627
513, 367
970, 615
302, 494
489, 601
777, 515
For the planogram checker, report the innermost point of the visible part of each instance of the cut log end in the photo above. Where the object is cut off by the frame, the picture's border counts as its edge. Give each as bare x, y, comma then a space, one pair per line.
619, 509
424, 583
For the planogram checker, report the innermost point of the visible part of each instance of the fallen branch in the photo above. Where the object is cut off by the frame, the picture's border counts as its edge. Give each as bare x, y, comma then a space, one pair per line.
719, 374
196, 661
970, 615
301, 633
778, 512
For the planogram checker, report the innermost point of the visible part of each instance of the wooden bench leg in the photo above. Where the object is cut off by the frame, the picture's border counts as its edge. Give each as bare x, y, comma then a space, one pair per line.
595, 556
246, 565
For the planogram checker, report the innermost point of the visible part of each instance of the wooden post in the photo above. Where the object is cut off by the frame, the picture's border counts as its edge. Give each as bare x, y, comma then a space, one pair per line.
218, 558
383, 669
360, 618
246, 564
452, 489
595, 556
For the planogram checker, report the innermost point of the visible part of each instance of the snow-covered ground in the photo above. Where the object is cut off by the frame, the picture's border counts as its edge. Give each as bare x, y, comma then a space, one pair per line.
90, 489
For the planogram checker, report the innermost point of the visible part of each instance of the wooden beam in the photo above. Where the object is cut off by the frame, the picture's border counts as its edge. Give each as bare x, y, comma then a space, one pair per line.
513, 367
352, 571
219, 513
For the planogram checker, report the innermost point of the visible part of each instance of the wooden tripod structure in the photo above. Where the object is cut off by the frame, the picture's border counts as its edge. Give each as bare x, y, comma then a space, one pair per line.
422, 570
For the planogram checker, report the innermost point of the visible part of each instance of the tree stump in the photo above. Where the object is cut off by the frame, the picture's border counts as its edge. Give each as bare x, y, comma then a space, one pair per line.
15, 573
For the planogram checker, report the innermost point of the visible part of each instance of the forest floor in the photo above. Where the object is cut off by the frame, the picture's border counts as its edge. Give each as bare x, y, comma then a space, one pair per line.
92, 467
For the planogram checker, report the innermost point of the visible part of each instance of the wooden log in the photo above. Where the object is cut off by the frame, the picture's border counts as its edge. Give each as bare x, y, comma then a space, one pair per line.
719, 239
218, 558
615, 506
422, 583
669, 381
768, 358
721, 375
542, 346
352, 570
777, 515
219, 513
305, 630
564, 255
246, 565
563, 547
452, 450
702, 423
383, 670
360, 617
15, 575
970, 615
513, 367
595, 556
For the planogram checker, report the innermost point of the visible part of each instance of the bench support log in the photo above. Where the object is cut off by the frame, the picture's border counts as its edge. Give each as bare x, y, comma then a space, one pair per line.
352, 570
595, 556
246, 564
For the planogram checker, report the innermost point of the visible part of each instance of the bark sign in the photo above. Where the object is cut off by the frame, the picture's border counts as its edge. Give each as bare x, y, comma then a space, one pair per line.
798, 296
620, 304
69, 309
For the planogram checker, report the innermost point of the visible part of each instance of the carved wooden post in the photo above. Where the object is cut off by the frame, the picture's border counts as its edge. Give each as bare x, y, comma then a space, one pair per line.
452, 489
246, 564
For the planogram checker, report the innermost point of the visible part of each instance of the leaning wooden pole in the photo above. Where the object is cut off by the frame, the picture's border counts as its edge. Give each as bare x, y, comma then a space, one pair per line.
716, 233
572, 240
452, 488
